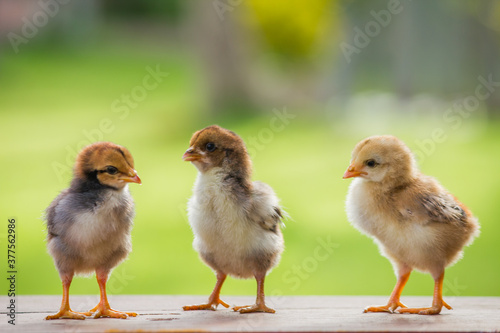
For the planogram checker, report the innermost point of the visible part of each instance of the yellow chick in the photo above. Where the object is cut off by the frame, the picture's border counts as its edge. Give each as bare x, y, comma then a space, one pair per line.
416, 223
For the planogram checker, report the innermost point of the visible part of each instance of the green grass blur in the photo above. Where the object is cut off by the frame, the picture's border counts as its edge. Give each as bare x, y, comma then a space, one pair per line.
51, 103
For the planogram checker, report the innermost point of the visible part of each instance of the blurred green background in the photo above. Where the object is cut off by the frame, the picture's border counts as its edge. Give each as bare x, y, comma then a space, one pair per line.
301, 82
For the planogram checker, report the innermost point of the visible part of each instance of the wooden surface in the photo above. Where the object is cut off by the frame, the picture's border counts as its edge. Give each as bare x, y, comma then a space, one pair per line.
293, 314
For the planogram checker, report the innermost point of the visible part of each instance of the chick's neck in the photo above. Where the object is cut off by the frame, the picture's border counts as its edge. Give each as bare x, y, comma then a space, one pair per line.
90, 183
237, 170
392, 183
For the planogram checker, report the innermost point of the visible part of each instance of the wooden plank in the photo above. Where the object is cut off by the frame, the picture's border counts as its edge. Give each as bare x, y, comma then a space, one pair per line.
294, 314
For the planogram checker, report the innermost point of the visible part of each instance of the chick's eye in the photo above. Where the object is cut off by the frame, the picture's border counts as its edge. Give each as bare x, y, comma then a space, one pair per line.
371, 163
111, 170
210, 146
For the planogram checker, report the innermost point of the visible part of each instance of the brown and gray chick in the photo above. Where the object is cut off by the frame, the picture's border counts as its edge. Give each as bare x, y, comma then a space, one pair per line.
89, 223
236, 222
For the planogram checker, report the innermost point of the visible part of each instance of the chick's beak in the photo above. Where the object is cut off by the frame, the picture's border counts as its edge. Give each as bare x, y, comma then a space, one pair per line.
132, 177
191, 155
352, 172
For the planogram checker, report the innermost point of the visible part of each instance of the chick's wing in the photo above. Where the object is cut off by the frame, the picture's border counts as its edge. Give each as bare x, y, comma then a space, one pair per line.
428, 202
265, 209
442, 208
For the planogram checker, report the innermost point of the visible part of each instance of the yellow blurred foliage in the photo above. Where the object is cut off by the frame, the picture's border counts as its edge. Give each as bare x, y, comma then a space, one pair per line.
294, 28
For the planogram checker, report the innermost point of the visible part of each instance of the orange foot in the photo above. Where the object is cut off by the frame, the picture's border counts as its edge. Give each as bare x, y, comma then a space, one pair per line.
253, 308
102, 311
211, 305
385, 308
434, 310
67, 314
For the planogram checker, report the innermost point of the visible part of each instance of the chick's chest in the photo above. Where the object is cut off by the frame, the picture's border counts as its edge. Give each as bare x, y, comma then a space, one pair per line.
371, 213
217, 218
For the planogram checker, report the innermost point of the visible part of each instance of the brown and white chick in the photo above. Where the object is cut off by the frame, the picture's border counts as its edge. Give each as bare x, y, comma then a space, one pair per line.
416, 223
236, 222
89, 223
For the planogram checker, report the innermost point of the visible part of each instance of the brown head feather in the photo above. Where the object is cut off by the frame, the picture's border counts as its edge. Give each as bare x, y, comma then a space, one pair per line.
229, 151
100, 156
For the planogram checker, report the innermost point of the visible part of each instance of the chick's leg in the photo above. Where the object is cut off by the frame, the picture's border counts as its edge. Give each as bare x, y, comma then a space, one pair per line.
437, 302
65, 312
103, 309
260, 305
403, 276
213, 300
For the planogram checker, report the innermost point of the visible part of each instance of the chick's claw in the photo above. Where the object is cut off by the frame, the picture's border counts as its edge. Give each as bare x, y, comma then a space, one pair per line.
385, 308
208, 306
238, 308
433, 310
423, 311
110, 313
67, 314
105, 311
253, 308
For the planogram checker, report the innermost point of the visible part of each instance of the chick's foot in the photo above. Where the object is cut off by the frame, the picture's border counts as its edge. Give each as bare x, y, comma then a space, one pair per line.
422, 311
433, 310
211, 305
106, 312
67, 314
253, 308
385, 308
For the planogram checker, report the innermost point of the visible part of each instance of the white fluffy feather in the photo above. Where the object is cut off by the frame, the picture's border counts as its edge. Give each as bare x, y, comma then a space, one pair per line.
226, 230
